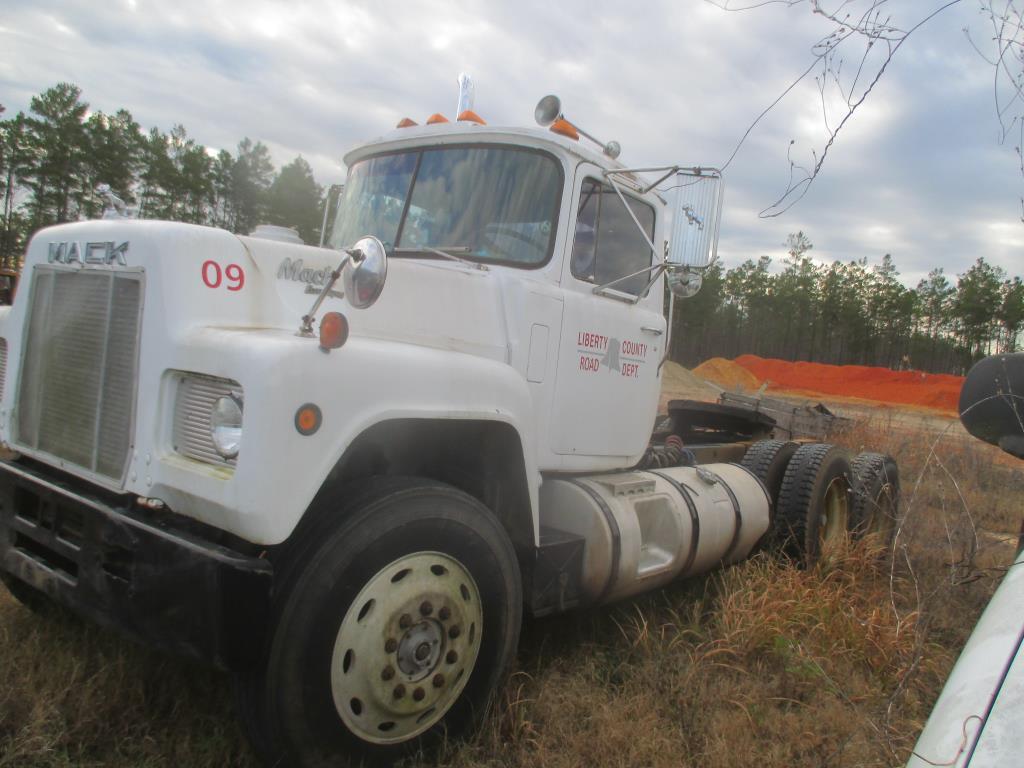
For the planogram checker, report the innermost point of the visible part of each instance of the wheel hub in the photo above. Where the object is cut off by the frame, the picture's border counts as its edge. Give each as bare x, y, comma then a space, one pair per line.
406, 647
420, 648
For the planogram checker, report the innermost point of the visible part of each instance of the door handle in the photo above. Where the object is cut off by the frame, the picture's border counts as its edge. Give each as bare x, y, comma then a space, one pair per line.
651, 329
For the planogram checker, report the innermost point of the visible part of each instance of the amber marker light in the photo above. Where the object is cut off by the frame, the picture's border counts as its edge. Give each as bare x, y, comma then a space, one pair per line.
406, 122
469, 116
333, 331
436, 118
308, 419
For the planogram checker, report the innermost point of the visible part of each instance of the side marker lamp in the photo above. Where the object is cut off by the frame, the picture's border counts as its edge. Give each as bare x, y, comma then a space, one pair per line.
308, 419
333, 331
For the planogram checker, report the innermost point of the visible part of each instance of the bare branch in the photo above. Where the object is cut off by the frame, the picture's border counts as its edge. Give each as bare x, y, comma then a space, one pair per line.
868, 24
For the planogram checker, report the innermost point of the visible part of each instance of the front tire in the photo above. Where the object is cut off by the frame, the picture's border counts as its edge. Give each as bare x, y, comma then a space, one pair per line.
394, 630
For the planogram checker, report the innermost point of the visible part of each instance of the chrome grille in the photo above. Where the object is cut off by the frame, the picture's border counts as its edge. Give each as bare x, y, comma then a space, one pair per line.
192, 410
3, 366
78, 373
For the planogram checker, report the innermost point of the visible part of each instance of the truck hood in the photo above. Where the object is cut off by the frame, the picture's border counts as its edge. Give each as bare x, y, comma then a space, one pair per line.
206, 277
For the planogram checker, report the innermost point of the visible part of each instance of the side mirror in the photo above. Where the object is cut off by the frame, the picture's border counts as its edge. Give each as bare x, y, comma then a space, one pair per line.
696, 214
992, 402
364, 274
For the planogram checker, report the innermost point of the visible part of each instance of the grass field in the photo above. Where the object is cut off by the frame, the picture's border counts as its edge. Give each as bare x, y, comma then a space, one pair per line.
761, 664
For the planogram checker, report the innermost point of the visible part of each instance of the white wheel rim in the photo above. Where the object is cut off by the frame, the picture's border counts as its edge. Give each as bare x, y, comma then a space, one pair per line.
406, 647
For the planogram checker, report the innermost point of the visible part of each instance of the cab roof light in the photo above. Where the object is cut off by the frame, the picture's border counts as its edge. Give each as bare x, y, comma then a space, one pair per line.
436, 118
469, 116
406, 122
563, 127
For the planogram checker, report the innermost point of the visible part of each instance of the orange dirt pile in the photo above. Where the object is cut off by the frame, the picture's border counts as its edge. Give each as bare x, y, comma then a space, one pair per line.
727, 374
931, 390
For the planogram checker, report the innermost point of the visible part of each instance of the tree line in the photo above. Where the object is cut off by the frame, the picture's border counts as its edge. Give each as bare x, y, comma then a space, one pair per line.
53, 159
849, 313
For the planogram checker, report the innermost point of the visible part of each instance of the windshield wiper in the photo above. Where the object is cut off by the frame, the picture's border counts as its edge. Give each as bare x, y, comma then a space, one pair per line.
446, 253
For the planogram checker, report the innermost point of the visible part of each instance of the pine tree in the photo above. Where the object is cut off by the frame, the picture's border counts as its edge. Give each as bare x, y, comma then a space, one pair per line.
294, 200
60, 143
250, 183
16, 159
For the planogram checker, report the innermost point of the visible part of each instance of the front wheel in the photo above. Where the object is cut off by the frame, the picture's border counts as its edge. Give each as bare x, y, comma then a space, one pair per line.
393, 633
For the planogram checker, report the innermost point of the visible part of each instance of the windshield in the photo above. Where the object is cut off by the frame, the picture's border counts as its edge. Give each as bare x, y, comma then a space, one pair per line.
485, 203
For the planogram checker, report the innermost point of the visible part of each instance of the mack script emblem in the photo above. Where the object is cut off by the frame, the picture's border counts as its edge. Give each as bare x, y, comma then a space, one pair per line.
107, 252
293, 270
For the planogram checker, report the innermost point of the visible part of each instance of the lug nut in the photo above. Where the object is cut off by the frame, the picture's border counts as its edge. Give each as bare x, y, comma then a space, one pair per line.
454, 631
399, 691
387, 673
438, 680
426, 608
405, 622
391, 645
452, 657
444, 614
418, 694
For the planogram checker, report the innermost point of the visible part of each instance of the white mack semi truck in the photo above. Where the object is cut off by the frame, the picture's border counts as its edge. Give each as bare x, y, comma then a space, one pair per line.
345, 472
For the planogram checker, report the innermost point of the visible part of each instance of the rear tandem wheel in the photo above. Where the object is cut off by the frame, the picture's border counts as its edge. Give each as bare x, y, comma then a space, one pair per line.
813, 514
876, 497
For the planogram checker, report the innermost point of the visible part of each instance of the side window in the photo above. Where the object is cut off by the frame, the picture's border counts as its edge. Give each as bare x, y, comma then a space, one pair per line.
607, 244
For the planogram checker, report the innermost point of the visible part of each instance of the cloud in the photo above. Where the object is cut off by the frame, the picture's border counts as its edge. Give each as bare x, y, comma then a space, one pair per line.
917, 172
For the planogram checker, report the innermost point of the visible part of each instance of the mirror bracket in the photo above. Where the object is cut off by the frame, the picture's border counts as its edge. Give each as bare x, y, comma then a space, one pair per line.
306, 326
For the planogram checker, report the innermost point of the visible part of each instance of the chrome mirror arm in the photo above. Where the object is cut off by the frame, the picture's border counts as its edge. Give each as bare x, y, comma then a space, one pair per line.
306, 327
654, 269
629, 210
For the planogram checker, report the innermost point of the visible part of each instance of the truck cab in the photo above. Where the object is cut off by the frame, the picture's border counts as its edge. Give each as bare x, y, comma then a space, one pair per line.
344, 472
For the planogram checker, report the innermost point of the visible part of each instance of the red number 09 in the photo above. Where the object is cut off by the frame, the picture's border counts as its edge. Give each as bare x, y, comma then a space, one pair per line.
213, 276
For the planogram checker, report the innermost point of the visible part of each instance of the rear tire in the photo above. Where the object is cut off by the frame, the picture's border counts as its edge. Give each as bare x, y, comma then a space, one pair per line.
876, 497
767, 460
813, 514
392, 632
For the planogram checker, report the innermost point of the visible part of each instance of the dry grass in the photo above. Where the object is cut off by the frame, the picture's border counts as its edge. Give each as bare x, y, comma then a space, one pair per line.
761, 664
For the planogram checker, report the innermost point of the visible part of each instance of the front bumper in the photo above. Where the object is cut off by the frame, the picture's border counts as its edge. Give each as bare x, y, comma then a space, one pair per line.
123, 568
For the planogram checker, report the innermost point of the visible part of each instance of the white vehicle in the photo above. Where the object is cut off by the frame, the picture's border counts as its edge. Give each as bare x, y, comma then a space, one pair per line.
976, 721
354, 524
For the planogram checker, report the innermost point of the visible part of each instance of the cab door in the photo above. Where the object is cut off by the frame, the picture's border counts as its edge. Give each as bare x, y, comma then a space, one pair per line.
612, 341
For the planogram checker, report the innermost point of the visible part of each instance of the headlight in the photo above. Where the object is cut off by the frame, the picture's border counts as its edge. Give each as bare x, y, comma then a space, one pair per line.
226, 425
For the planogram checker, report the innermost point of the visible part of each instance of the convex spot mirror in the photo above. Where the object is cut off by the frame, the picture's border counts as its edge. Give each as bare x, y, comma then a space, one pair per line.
364, 273
684, 283
696, 207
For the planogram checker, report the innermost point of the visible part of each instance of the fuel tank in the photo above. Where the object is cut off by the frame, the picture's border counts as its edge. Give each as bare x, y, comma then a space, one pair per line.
642, 529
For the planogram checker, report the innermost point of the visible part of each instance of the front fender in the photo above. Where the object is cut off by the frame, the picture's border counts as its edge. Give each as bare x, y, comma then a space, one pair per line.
366, 382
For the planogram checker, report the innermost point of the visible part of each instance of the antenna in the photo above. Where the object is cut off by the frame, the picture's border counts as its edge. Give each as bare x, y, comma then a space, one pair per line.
466, 94
549, 109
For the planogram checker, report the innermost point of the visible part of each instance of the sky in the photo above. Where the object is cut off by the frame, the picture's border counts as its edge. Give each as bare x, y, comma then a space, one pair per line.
918, 171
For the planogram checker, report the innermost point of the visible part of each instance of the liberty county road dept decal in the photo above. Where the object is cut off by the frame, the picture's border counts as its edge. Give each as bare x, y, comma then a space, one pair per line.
597, 350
